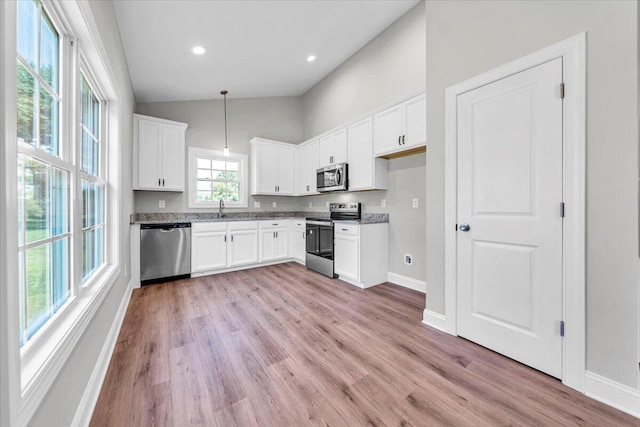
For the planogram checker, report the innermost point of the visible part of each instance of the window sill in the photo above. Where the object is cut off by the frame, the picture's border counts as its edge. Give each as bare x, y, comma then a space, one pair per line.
43, 359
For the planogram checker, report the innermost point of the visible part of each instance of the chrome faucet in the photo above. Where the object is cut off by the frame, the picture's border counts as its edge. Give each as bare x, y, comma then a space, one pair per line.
221, 209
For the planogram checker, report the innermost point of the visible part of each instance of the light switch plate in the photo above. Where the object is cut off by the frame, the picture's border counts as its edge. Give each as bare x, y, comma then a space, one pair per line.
383, 203
256, 204
274, 204
161, 204
414, 202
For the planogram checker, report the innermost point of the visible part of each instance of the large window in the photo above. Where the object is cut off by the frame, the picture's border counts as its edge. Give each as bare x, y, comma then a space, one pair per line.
214, 177
52, 165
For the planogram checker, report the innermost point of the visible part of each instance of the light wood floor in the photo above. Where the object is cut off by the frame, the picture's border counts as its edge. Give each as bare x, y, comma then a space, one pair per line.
282, 346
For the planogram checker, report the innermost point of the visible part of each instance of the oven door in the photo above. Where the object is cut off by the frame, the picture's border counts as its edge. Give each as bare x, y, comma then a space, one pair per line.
320, 239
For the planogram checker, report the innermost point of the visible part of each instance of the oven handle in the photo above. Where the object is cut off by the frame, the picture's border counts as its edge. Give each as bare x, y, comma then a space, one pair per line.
322, 223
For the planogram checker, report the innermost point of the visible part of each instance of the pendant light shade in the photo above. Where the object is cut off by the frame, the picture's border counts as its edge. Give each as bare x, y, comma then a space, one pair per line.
226, 146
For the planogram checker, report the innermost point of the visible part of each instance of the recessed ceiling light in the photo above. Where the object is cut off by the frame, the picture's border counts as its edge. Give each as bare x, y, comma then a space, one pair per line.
198, 50
311, 58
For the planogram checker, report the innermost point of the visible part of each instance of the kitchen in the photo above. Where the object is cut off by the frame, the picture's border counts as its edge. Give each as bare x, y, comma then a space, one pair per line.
360, 329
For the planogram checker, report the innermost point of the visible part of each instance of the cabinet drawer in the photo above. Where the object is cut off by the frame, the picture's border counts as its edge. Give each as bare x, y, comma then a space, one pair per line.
273, 224
200, 227
299, 224
242, 225
347, 229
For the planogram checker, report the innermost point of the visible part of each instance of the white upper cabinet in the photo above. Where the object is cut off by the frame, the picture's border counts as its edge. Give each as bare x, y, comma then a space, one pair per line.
333, 148
159, 154
402, 127
273, 167
365, 171
308, 163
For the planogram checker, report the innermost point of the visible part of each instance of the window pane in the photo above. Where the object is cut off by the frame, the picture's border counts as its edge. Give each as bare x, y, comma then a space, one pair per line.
232, 166
233, 191
204, 196
28, 31
27, 88
49, 47
218, 164
35, 197
60, 201
88, 244
61, 282
204, 186
219, 191
204, 174
204, 164
90, 154
48, 122
23, 298
38, 286
229, 176
90, 130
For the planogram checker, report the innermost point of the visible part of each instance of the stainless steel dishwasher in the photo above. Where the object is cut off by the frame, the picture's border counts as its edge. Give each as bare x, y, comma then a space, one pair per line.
165, 252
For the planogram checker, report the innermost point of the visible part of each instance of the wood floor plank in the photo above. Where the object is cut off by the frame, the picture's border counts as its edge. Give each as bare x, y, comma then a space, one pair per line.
284, 346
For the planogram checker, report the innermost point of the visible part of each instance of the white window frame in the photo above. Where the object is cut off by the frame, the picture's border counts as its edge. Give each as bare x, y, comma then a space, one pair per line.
27, 373
193, 153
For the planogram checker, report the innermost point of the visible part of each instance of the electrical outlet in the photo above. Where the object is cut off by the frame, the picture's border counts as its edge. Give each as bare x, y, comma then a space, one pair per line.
161, 204
256, 204
383, 203
327, 204
310, 204
274, 204
408, 259
414, 202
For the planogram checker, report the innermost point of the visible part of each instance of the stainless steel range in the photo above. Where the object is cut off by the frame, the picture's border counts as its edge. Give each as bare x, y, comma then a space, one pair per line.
319, 236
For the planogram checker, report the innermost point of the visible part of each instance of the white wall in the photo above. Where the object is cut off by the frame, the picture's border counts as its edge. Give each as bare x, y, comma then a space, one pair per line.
466, 38
389, 67
60, 404
272, 118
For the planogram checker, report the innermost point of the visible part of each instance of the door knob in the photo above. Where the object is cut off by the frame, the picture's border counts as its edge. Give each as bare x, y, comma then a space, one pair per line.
464, 227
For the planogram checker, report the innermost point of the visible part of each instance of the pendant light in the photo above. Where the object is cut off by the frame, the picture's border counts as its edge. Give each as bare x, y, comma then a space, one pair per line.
226, 147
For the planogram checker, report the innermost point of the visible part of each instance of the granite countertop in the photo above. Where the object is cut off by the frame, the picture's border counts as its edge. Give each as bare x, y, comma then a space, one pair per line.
170, 218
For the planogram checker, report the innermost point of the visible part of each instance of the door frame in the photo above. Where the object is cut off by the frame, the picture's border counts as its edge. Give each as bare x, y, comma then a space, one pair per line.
573, 52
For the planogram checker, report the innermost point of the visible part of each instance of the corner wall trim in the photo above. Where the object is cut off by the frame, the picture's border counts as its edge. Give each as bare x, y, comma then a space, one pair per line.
92, 390
435, 320
620, 396
408, 282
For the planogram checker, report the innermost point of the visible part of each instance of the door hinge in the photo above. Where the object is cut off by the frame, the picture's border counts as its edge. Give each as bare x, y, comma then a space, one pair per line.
562, 90
562, 328
561, 209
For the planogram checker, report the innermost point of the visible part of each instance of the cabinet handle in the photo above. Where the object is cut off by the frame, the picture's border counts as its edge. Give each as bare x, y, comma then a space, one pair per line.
274, 224
307, 188
163, 182
399, 140
276, 234
225, 238
232, 237
402, 139
158, 182
273, 233
344, 229
304, 235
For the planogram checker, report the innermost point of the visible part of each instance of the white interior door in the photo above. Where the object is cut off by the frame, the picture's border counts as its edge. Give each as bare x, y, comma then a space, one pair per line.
509, 261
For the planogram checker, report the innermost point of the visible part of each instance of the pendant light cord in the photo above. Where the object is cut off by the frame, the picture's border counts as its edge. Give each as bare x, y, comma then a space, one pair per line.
224, 93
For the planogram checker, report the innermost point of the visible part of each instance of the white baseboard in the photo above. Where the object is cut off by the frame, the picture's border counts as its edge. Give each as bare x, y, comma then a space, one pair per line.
620, 396
408, 282
435, 320
92, 390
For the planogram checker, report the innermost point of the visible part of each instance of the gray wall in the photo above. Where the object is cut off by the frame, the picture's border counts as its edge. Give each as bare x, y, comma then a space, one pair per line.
389, 67
466, 38
60, 404
273, 118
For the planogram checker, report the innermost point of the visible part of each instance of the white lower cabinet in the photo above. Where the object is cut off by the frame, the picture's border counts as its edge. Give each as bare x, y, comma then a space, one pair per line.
274, 243
297, 240
243, 243
208, 246
360, 256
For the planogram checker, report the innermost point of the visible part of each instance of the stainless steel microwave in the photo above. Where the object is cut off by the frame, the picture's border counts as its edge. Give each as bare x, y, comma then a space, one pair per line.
333, 178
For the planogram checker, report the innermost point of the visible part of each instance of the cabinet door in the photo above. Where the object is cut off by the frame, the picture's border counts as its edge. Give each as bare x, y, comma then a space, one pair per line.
285, 169
243, 247
339, 146
172, 158
299, 243
281, 248
309, 156
149, 155
361, 155
208, 251
267, 168
387, 130
415, 122
325, 151
267, 244
347, 256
